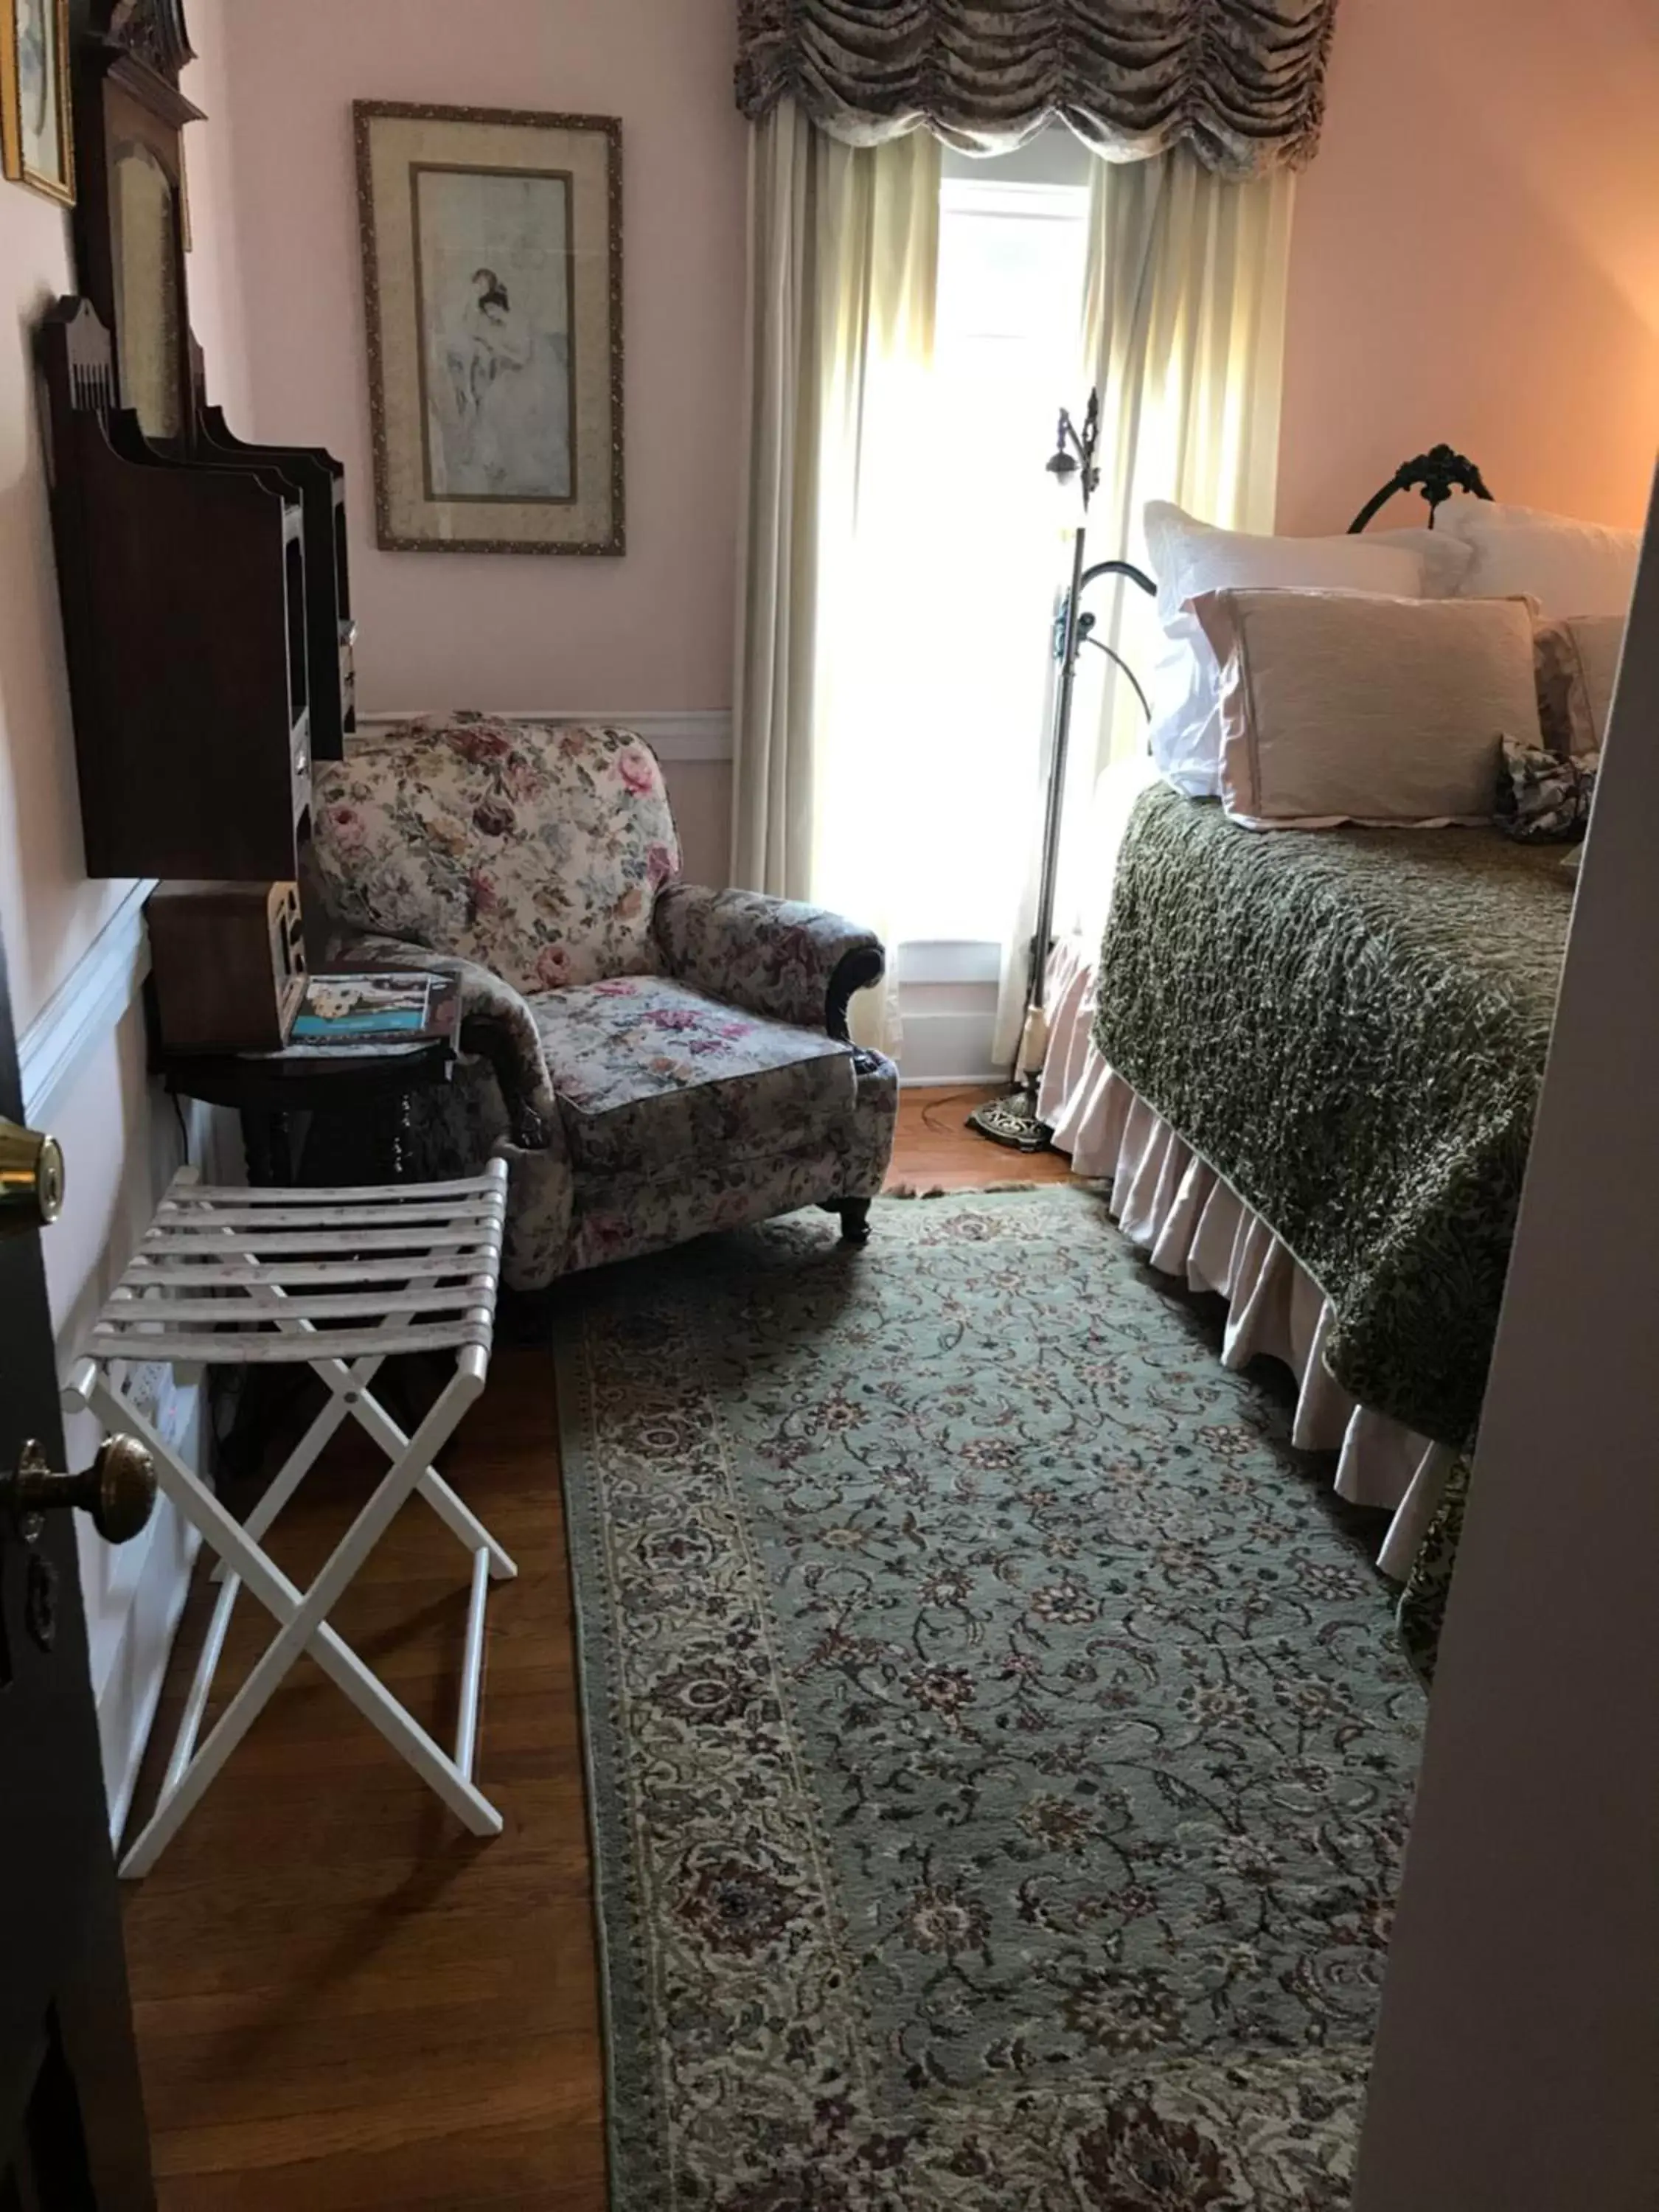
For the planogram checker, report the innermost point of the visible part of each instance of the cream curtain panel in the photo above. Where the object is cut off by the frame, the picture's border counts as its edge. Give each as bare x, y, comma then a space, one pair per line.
1240, 80
843, 267
1184, 339
777, 550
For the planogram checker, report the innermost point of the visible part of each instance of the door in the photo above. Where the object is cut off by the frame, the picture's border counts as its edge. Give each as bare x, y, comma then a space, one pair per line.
72, 2137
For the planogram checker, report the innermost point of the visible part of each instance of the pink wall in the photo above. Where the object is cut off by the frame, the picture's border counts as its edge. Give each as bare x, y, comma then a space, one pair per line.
653, 630
49, 912
216, 299
1476, 257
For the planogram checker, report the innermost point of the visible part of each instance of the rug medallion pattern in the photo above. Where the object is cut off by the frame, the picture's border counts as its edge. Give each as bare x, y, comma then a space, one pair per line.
1001, 1756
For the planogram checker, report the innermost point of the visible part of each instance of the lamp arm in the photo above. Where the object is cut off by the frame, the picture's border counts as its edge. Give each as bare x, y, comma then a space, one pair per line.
1085, 628
1063, 614
1123, 667
1120, 568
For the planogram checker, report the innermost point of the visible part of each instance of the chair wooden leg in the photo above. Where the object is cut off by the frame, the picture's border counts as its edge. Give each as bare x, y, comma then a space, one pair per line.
855, 1220
525, 1316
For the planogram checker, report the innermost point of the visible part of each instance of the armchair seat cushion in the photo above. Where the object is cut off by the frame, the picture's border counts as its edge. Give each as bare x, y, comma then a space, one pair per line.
647, 1072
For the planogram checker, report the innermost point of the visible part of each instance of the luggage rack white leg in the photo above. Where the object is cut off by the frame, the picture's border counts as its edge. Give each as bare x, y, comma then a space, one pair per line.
349, 1393
301, 1615
466, 1727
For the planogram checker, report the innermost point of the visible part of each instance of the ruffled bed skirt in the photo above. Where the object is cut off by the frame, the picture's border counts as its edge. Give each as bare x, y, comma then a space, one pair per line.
1193, 1225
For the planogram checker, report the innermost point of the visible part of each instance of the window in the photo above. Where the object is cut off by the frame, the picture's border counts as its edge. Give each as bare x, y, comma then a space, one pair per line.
1012, 254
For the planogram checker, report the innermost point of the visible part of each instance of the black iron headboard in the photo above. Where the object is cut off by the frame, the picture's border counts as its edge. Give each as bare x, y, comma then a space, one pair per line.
1437, 474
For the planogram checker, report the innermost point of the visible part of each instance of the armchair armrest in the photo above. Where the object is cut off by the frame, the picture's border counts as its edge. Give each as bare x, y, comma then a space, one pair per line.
496, 1025
772, 956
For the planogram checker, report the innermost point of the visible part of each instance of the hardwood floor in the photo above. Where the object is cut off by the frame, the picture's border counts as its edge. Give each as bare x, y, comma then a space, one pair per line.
934, 1152
343, 2003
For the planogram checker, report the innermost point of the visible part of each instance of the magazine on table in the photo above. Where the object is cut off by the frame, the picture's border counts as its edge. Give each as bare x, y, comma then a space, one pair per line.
377, 1011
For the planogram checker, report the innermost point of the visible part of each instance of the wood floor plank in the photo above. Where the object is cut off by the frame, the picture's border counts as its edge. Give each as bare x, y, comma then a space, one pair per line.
544, 2169
343, 2002
437, 2107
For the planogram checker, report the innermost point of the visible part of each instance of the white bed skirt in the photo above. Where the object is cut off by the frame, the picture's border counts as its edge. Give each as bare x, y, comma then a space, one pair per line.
1193, 1225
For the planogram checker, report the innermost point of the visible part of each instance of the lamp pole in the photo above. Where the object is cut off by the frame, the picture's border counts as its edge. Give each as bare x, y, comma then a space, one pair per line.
1012, 1120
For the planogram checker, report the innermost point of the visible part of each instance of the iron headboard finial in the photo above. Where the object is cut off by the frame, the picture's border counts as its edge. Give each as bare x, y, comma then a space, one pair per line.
1437, 474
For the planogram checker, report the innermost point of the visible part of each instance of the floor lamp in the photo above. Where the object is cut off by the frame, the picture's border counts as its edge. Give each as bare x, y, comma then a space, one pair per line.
1012, 1120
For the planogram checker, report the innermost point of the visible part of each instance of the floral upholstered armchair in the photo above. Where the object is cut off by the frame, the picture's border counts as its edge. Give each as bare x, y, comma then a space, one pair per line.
654, 1059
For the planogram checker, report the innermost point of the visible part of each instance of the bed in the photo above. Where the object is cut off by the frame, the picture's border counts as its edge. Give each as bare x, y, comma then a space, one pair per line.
1307, 1058
1308, 1064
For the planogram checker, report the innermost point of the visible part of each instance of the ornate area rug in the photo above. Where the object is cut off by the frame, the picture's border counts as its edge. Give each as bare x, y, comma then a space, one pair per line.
1000, 1754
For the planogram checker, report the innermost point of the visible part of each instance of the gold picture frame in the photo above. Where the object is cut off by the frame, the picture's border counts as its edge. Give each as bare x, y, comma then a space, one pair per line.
492, 279
36, 118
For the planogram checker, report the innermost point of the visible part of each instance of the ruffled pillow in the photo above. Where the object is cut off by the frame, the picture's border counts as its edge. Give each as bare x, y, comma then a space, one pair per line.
1543, 799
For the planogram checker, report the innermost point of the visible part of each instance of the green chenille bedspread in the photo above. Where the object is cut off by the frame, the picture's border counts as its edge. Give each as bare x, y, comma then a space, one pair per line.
1350, 1026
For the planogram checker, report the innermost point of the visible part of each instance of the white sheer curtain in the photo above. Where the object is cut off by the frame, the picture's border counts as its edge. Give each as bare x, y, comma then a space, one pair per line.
843, 272
1184, 338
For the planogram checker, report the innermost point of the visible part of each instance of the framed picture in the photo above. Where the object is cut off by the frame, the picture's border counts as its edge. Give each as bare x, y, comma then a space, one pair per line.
37, 139
492, 267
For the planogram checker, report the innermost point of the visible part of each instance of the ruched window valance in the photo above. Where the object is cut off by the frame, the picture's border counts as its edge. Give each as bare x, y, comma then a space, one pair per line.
1240, 80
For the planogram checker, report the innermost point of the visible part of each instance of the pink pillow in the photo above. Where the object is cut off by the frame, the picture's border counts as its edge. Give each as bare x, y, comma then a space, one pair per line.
1346, 706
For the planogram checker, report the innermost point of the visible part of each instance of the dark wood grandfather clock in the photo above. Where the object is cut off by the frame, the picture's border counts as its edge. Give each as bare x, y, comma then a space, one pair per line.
204, 583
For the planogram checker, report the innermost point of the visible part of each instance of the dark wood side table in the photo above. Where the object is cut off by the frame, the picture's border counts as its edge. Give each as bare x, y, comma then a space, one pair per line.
370, 1081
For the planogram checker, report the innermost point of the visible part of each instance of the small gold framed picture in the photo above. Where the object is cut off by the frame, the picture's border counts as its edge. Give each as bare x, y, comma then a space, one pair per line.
37, 142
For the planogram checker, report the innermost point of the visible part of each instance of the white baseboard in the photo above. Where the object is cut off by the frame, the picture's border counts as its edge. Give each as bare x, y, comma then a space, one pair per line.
981, 1079
132, 1689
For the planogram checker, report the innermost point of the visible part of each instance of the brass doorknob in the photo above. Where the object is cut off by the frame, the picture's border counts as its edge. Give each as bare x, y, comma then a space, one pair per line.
31, 1179
117, 1489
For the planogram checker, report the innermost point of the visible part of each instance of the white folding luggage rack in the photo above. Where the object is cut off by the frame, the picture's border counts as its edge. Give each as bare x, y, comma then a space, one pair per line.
340, 1279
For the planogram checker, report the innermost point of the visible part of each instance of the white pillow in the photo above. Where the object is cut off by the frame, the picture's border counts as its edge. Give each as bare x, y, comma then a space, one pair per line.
1570, 567
1446, 558
1339, 707
1189, 557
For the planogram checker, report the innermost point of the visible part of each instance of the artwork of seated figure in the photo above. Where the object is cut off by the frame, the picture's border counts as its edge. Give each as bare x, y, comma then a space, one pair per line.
495, 312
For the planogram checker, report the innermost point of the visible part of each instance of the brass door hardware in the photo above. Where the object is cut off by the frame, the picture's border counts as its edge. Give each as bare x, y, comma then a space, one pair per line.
31, 1179
117, 1489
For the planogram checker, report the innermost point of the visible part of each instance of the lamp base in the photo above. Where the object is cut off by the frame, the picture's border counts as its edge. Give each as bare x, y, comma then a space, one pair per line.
1012, 1120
